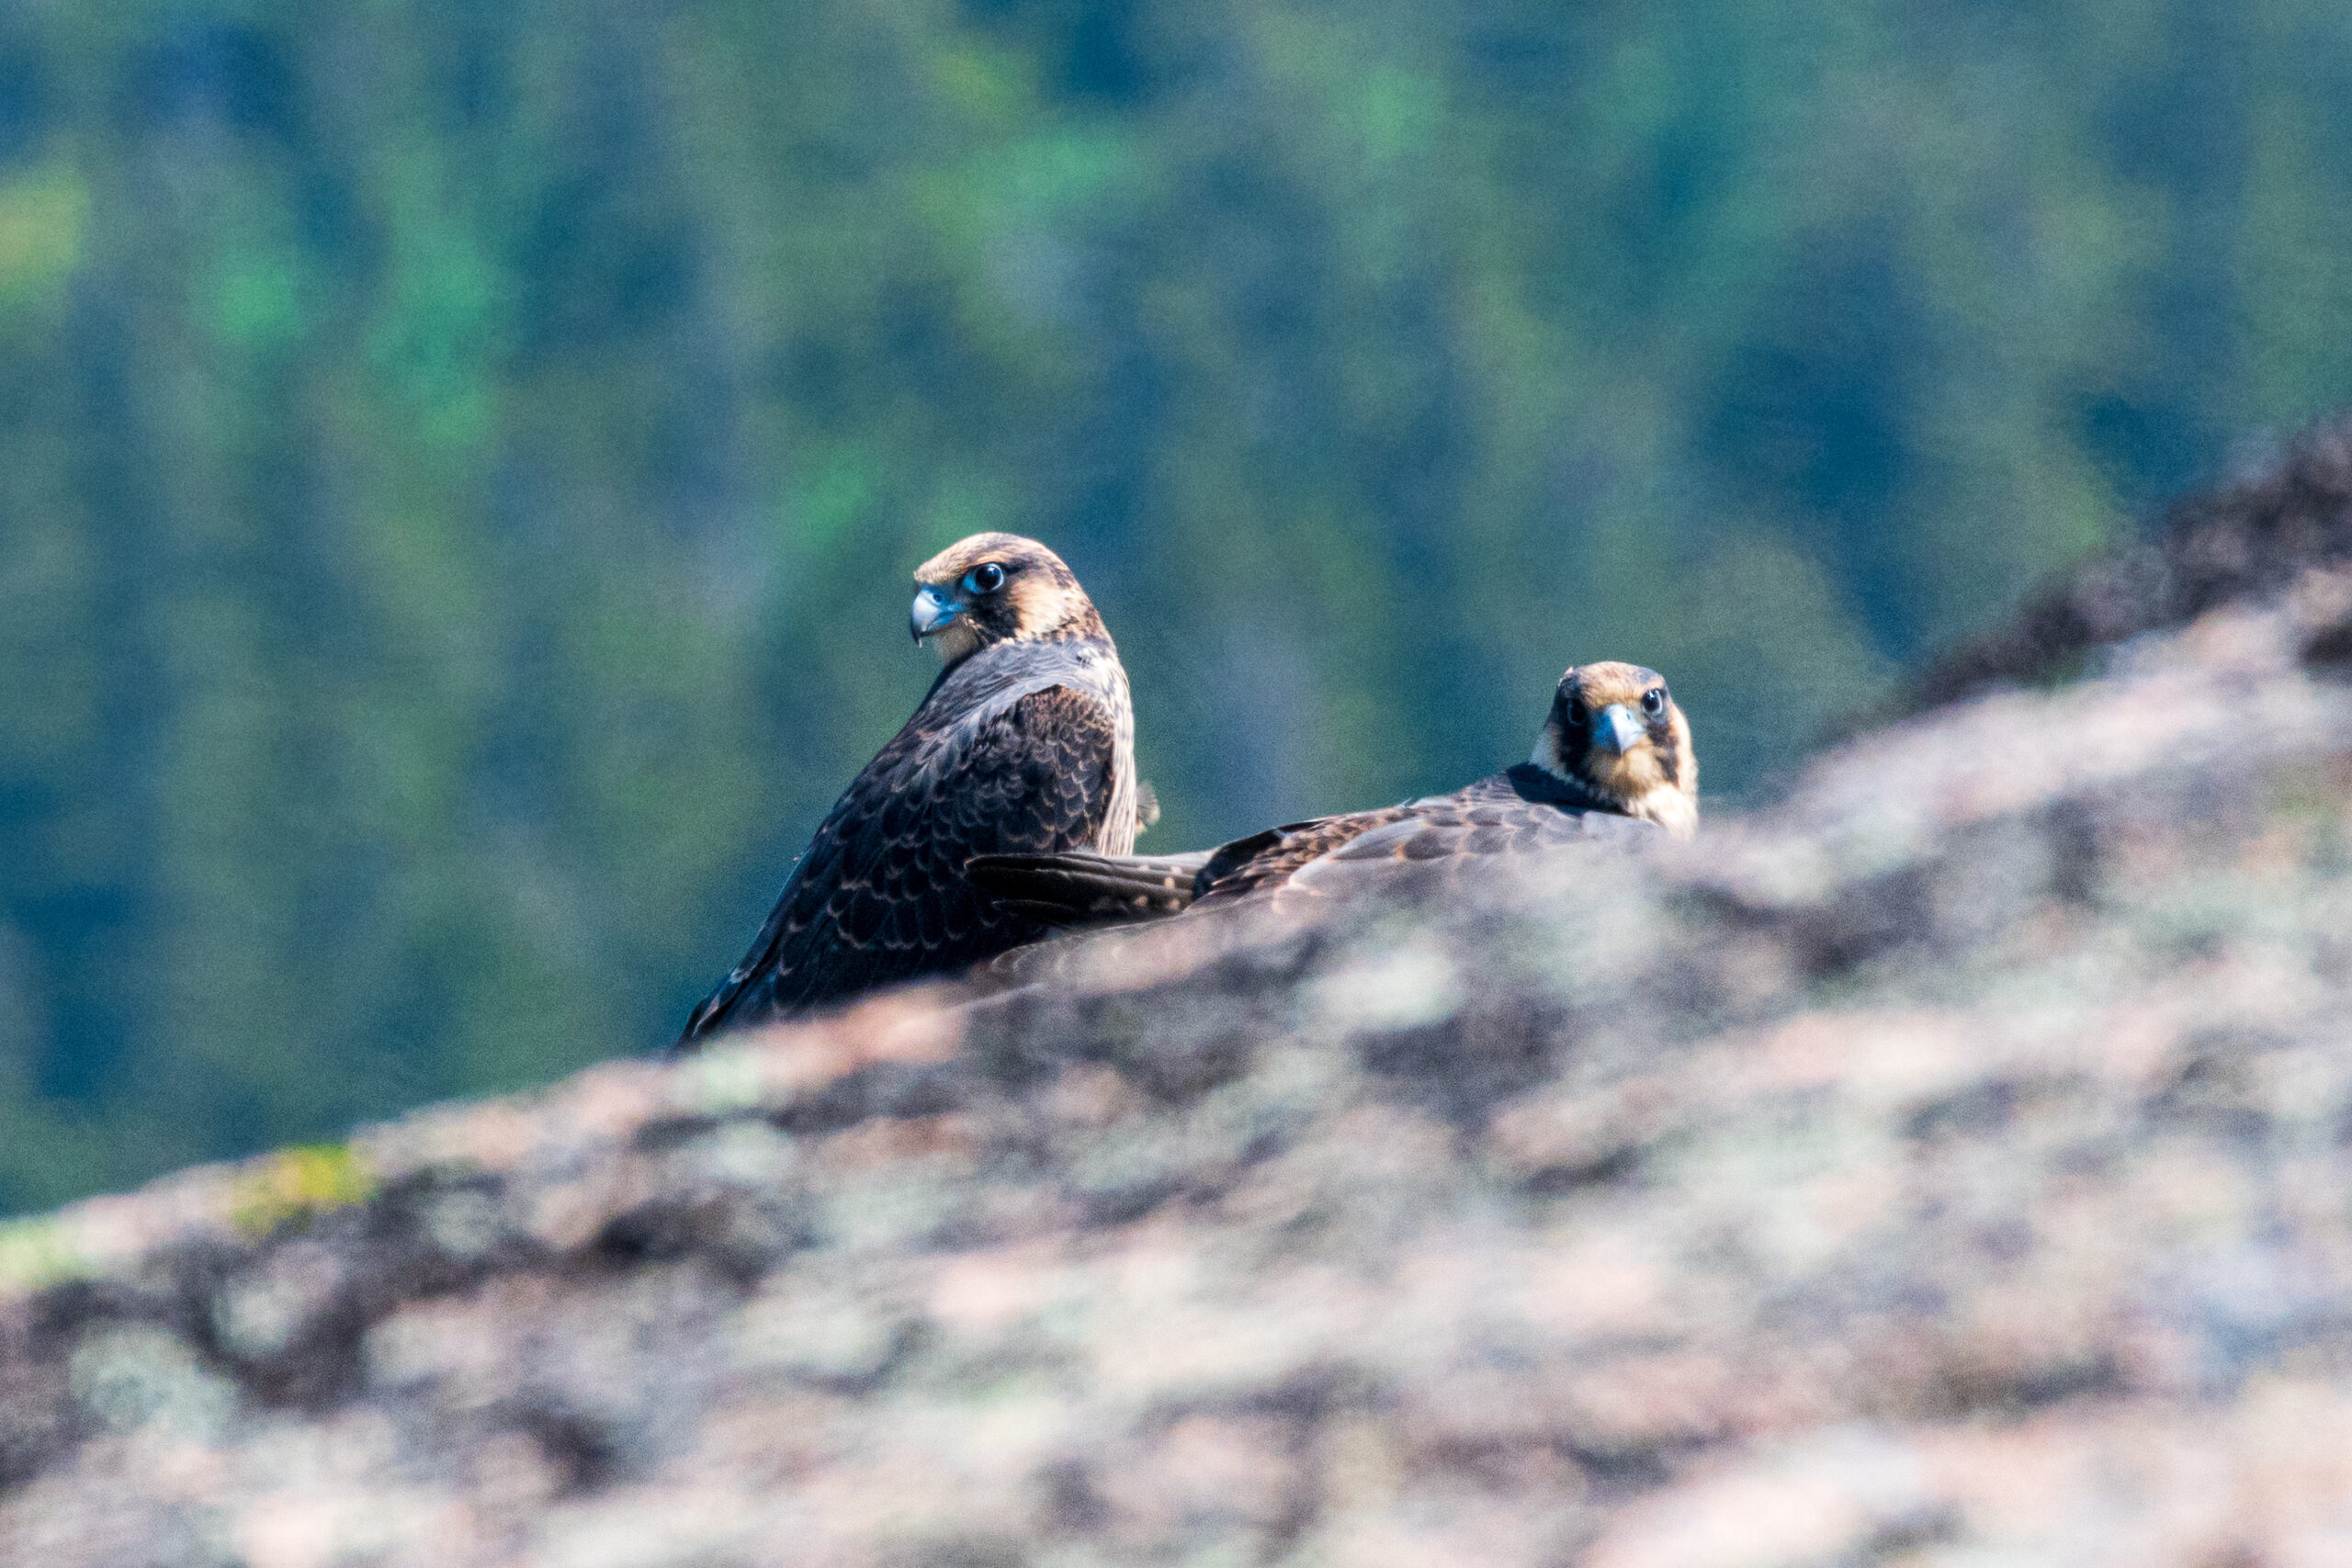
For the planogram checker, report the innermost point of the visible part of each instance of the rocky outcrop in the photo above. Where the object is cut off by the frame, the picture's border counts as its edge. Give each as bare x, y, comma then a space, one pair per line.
2245, 542
1951, 1164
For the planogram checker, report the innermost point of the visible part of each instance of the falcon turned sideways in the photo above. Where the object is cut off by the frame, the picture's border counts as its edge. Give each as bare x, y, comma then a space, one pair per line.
1614, 762
1024, 743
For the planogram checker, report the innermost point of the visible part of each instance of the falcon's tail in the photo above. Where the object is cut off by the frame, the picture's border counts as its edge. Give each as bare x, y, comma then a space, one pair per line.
1077, 889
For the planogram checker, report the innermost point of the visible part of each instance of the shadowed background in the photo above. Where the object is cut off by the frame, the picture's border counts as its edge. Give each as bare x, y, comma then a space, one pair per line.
460, 464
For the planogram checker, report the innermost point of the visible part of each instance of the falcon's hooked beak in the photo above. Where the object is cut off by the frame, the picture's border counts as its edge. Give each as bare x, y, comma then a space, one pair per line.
934, 612
945, 622
1616, 728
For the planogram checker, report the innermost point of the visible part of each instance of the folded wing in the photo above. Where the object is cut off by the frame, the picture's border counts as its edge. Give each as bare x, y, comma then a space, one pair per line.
1519, 812
881, 893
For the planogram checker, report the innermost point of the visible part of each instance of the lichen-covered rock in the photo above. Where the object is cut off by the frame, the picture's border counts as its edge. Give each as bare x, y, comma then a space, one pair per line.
1946, 1167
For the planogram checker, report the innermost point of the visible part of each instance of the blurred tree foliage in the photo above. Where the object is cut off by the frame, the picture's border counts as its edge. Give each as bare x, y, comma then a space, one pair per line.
462, 461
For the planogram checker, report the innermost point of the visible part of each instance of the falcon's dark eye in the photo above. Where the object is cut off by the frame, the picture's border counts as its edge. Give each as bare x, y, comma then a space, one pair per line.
1654, 701
1573, 715
985, 577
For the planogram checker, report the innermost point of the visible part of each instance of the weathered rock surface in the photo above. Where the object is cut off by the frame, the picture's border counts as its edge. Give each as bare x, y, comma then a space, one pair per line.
1951, 1166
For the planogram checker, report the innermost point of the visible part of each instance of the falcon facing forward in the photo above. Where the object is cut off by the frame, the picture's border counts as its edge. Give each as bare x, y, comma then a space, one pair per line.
1614, 762
1024, 743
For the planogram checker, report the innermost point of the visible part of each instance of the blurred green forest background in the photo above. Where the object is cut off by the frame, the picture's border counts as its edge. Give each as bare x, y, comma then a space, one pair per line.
460, 462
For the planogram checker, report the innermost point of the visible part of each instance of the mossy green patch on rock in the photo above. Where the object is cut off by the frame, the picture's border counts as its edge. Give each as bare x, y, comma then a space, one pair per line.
36, 1254
291, 1184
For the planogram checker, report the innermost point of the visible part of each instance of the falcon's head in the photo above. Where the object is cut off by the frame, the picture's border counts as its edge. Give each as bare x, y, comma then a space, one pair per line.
995, 588
1615, 732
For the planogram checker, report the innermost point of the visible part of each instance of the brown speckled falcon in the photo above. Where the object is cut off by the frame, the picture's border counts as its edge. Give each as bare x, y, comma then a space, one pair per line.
1024, 743
1614, 762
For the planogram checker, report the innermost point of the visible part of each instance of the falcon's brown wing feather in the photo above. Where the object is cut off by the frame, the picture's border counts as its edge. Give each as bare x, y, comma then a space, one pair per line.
881, 895
1443, 838
1078, 888
1520, 811
1272, 857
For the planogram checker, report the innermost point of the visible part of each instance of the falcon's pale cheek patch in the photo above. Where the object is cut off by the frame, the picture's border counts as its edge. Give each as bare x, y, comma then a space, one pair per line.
1043, 608
955, 641
1671, 809
1546, 754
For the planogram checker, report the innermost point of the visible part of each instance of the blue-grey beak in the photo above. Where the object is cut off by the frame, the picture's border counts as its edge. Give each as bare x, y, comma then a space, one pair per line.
933, 612
1617, 729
